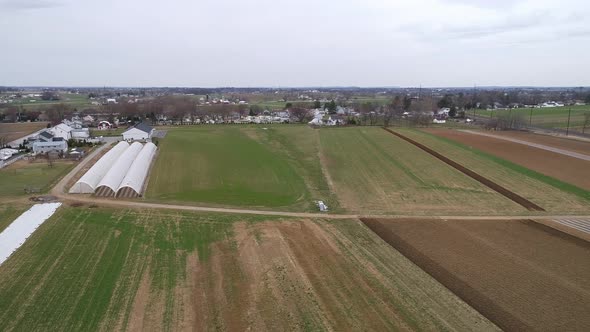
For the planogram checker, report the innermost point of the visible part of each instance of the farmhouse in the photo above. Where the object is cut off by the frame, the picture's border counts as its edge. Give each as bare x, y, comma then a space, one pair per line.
140, 132
62, 130
57, 144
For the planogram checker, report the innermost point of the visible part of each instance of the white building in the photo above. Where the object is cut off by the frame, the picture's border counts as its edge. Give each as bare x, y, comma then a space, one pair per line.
57, 144
7, 153
62, 130
140, 132
82, 133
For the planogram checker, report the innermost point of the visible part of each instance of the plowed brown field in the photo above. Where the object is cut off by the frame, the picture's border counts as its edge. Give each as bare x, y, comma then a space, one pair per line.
519, 274
568, 169
314, 276
556, 142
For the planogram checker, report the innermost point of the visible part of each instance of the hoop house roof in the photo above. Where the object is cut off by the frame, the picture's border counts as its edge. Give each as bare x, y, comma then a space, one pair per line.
89, 181
116, 174
137, 172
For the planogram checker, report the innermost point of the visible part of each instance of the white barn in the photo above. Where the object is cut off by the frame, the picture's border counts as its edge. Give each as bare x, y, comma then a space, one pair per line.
140, 132
62, 130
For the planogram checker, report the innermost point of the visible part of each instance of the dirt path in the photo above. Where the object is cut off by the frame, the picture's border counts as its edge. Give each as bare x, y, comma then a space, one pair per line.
535, 145
60, 187
60, 191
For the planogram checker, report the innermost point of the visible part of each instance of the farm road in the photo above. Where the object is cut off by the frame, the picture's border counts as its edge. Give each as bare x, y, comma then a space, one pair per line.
60, 191
535, 145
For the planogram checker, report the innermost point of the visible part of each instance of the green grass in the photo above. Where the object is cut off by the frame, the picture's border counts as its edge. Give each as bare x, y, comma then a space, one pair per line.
70, 99
553, 195
230, 165
108, 132
15, 178
81, 269
554, 117
376, 172
9, 212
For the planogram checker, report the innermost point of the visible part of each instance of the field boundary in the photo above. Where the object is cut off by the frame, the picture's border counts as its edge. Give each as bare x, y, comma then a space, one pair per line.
556, 183
564, 152
478, 301
485, 181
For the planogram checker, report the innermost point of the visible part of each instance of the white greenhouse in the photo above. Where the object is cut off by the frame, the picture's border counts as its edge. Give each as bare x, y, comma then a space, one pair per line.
132, 184
110, 182
89, 181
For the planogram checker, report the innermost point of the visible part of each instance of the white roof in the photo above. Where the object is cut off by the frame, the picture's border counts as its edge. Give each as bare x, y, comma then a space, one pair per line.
119, 169
63, 126
89, 181
137, 173
22, 227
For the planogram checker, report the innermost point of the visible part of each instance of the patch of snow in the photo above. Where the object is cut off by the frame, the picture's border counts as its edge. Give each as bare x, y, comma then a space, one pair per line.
22, 227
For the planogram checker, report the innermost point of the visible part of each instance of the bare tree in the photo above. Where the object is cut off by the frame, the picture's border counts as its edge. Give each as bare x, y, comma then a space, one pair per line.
301, 114
393, 110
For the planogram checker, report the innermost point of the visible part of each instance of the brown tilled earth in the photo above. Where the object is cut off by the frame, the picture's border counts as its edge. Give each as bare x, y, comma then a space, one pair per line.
519, 274
13, 131
556, 142
306, 275
568, 169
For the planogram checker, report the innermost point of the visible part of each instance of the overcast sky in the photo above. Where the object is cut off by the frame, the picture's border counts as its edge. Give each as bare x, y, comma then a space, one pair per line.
294, 43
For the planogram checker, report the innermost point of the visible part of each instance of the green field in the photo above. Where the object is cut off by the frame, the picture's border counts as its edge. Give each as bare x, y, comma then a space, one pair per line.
552, 195
109, 132
89, 269
376, 172
9, 212
555, 117
16, 177
70, 99
240, 166
362, 170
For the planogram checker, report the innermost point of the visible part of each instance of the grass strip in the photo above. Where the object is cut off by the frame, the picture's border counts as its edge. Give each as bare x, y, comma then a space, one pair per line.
564, 186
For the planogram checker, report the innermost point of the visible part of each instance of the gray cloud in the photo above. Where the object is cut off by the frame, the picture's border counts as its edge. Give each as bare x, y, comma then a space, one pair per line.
28, 4
294, 42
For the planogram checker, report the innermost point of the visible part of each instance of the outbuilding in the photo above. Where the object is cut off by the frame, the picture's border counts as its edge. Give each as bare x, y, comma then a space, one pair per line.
140, 132
62, 130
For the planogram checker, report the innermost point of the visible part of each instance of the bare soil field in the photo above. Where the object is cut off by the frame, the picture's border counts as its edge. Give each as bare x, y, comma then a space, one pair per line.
556, 142
513, 272
12, 131
568, 169
103, 269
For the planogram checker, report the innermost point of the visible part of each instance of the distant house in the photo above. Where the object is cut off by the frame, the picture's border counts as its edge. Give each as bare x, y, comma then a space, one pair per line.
444, 111
82, 133
140, 132
62, 130
57, 144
